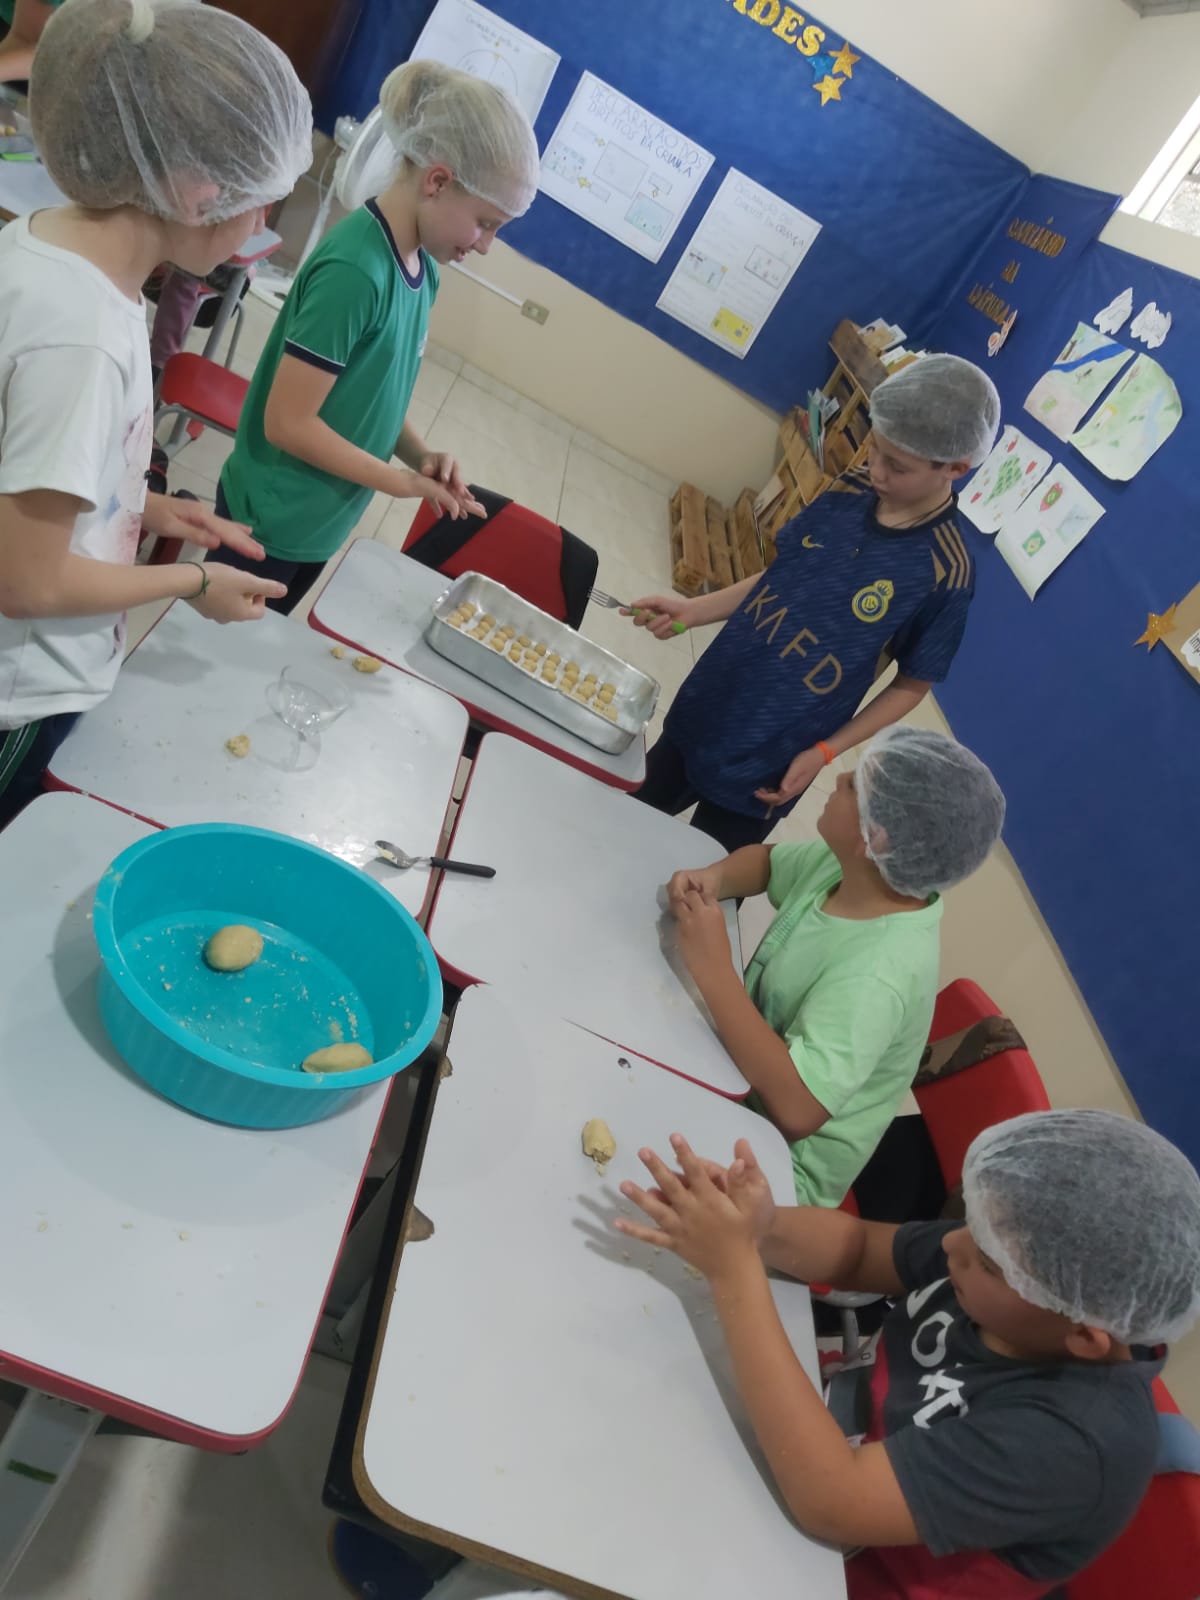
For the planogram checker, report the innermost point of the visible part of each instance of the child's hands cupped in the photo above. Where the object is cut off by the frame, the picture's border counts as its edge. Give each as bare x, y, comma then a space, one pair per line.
701, 880
419, 486
795, 780
691, 1213
702, 935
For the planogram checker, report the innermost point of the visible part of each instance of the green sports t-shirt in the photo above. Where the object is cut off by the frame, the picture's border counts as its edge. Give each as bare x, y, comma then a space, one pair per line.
355, 311
852, 1001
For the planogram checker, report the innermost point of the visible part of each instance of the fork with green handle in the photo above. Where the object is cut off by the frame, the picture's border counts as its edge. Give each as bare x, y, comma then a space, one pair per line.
611, 603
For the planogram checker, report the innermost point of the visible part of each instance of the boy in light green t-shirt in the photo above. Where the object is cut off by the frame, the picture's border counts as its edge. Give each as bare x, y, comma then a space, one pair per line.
829, 1024
328, 402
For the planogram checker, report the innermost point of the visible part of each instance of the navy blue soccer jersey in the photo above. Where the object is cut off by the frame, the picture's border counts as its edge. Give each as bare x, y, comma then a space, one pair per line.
793, 664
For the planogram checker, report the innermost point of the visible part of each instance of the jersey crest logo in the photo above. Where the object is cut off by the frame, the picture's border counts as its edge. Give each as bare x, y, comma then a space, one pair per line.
871, 603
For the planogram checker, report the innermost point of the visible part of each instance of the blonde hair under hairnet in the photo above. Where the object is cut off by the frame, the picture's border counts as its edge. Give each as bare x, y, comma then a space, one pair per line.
178, 109
436, 114
1091, 1215
941, 408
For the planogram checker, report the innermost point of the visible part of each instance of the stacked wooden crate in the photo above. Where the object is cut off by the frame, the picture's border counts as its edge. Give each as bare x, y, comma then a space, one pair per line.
711, 546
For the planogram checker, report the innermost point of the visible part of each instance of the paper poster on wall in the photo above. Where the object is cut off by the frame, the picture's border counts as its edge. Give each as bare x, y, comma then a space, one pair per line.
1040, 535
1139, 415
1015, 467
622, 168
738, 263
468, 36
1082, 370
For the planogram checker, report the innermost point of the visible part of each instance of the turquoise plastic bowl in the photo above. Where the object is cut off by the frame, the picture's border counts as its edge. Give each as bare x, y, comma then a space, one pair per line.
342, 961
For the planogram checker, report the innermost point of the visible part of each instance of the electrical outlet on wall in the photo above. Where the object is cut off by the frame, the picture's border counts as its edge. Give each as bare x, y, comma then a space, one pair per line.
534, 312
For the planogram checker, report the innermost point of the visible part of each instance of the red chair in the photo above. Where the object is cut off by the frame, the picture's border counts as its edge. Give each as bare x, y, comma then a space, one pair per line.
535, 558
1158, 1554
199, 391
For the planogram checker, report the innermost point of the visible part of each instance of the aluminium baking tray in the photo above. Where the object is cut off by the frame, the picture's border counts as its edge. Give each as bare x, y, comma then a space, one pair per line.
636, 693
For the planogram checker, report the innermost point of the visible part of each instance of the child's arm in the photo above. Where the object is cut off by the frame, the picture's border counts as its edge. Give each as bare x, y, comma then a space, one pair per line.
756, 1050
900, 697
439, 464
16, 49
292, 422
658, 611
744, 873
849, 1496
41, 577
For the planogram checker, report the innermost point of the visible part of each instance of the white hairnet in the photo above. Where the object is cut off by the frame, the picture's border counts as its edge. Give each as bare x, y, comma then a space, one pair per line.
436, 114
1092, 1215
176, 108
941, 408
930, 810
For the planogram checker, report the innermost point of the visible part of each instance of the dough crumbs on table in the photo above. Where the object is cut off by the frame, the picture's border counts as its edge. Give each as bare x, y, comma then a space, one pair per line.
366, 664
184, 1235
338, 652
239, 745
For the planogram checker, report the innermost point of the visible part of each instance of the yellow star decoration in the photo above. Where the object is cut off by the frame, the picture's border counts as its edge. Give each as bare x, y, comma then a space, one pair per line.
829, 89
1157, 627
844, 61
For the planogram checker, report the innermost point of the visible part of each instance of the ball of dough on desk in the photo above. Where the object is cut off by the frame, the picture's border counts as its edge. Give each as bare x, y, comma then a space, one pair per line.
233, 948
338, 1058
366, 664
598, 1142
468, 607
239, 745
540, 650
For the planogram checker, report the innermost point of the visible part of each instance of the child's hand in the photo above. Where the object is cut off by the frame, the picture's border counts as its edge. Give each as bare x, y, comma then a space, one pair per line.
196, 523
701, 880
703, 937
743, 1181
796, 779
658, 611
691, 1214
418, 486
235, 596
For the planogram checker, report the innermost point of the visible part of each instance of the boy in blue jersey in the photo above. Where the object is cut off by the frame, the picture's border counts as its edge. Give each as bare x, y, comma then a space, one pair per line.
877, 572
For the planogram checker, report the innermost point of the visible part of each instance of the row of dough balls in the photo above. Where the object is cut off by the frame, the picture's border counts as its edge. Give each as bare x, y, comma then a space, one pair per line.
534, 658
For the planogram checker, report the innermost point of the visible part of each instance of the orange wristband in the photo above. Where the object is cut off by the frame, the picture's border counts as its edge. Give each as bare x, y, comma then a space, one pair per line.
825, 751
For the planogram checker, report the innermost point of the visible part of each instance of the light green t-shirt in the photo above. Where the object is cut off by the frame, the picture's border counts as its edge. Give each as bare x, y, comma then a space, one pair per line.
853, 1002
354, 310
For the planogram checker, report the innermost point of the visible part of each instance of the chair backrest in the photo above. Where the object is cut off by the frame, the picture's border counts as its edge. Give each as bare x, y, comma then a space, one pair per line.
528, 553
956, 1109
1158, 1554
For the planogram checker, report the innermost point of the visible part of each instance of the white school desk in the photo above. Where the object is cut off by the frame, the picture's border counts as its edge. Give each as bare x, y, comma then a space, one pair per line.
156, 747
157, 1267
572, 918
380, 600
549, 1396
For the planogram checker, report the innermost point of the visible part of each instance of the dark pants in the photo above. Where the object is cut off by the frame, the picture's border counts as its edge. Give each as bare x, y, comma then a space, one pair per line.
25, 753
667, 788
298, 575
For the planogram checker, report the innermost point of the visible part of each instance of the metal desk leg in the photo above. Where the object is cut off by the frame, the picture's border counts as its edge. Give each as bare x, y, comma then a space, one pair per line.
37, 1455
229, 301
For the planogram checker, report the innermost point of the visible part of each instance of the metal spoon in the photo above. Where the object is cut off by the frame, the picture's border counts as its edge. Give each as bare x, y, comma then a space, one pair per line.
396, 857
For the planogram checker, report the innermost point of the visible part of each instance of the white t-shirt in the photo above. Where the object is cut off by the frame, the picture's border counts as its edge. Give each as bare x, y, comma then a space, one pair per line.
76, 415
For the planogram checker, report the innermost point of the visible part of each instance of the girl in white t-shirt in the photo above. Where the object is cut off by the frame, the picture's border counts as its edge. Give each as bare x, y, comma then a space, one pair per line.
170, 126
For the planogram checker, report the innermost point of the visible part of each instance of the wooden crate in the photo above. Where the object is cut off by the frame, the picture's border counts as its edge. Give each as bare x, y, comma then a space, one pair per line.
691, 571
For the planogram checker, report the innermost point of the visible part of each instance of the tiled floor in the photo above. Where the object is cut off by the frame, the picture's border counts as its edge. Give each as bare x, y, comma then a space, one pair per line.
144, 1520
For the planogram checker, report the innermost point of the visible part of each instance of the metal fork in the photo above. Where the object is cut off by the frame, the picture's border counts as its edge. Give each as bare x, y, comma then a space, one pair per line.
611, 603
393, 854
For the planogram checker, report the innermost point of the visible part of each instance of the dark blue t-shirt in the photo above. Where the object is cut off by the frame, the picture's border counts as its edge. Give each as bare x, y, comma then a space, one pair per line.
794, 663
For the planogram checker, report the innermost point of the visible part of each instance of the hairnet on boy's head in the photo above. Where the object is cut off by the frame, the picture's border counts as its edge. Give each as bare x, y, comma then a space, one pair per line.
939, 407
436, 114
1092, 1215
177, 109
930, 810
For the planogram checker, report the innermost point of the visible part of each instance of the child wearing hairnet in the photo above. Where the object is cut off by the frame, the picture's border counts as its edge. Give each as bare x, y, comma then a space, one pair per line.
169, 126
1004, 1431
878, 572
328, 404
829, 1024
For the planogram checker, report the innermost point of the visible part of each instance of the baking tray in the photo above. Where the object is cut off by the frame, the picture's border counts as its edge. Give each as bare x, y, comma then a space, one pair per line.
635, 694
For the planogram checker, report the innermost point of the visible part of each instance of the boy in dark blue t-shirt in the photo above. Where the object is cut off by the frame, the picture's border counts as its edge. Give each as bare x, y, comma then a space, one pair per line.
878, 571
1005, 1430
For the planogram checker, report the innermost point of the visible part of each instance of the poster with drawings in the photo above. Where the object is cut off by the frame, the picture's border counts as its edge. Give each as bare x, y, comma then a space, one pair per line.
1015, 466
1040, 535
470, 37
1082, 370
737, 264
622, 168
